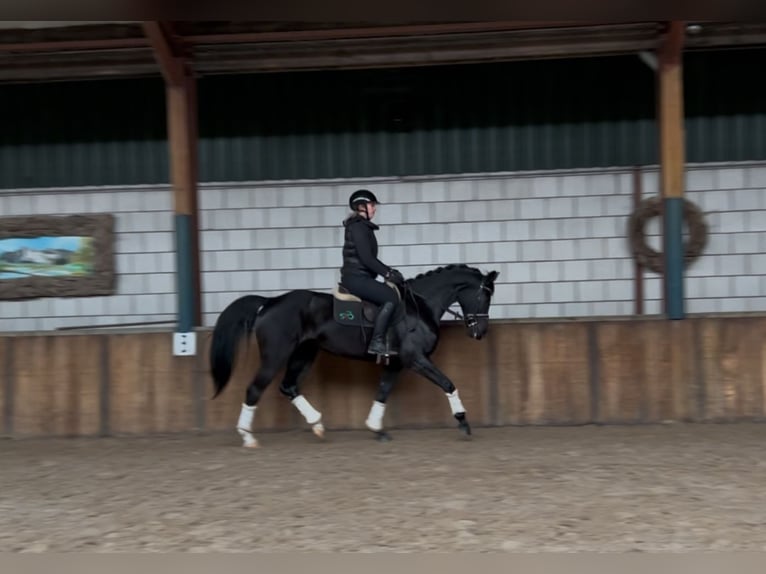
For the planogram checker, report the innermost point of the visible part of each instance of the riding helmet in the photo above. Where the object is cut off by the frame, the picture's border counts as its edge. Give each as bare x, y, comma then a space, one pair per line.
361, 196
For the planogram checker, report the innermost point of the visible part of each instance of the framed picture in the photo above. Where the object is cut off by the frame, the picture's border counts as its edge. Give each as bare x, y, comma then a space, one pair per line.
57, 256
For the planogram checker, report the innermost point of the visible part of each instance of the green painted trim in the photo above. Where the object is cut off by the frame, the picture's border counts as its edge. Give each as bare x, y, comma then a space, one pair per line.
184, 273
674, 256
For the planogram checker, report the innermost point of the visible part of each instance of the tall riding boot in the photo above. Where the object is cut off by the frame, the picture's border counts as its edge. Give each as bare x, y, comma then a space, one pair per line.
378, 341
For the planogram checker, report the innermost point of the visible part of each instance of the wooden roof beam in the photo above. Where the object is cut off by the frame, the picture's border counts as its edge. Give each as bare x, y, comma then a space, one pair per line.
380, 31
672, 43
168, 51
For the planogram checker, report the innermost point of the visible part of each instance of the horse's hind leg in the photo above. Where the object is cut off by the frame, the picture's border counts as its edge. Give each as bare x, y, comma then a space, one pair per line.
299, 363
374, 420
261, 381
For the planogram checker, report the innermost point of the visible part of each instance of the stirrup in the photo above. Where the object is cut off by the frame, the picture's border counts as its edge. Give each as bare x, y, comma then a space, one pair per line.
383, 358
385, 354
376, 352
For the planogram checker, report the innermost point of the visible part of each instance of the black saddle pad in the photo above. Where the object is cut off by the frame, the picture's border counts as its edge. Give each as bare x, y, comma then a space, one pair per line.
354, 312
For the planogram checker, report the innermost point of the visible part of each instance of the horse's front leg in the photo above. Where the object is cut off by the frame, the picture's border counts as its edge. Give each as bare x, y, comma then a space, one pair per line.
374, 420
424, 367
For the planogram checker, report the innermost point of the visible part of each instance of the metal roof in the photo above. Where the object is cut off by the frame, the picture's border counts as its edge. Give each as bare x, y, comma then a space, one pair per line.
45, 50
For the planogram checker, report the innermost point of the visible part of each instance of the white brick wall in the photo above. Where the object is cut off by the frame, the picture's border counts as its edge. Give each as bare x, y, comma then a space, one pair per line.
558, 239
732, 277
144, 252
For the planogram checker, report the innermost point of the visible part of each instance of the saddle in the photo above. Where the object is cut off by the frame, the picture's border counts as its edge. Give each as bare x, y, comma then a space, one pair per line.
348, 309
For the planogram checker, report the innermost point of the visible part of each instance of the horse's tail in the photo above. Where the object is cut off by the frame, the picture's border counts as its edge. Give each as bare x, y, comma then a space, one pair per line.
236, 320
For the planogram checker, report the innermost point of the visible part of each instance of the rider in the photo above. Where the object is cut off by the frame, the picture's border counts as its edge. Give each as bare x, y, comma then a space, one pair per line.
361, 265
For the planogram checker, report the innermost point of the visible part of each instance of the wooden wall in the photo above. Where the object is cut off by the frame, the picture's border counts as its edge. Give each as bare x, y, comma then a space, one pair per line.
617, 371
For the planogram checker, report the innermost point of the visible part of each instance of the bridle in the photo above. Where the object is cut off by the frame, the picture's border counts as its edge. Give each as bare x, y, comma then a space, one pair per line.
471, 320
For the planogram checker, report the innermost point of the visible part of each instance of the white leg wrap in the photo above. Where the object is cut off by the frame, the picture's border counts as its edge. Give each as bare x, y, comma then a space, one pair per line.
375, 418
455, 403
245, 424
309, 413
246, 417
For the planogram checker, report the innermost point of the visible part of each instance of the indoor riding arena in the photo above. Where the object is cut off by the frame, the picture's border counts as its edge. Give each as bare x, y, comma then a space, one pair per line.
613, 175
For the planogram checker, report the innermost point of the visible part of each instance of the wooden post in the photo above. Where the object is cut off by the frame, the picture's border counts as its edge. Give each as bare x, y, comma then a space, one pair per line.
181, 102
672, 165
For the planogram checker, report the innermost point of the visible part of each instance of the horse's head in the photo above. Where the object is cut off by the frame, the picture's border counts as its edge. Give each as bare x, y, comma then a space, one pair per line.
474, 299
457, 283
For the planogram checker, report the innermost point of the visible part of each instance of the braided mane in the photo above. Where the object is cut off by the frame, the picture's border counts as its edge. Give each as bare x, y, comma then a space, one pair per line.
442, 269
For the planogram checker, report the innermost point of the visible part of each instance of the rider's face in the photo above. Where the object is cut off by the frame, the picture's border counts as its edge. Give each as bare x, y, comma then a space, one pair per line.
371, 208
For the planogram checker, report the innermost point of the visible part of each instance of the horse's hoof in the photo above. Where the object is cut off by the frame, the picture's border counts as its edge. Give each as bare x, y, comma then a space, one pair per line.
248, 440
318, 430
383, 436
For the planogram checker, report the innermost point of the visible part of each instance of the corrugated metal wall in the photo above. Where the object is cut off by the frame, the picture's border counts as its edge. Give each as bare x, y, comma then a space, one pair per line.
586, 112
83, 133
528, 115
726, 105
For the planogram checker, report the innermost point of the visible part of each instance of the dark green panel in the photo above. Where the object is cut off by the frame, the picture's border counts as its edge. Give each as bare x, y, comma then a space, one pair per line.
586, 112
83, 133
453, 119
725, 105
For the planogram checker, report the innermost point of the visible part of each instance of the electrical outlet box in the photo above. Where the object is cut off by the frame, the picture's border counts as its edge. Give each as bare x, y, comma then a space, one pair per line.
184, 344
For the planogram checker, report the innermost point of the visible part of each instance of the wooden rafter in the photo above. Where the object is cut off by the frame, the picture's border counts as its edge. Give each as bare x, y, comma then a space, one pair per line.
168, 51
135, 50
672, 43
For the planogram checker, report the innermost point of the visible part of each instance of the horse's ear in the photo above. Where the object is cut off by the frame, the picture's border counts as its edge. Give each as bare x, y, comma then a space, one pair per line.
492, 275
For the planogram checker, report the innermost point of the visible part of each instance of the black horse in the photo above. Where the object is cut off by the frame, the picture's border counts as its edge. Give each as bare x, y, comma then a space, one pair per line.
293, 327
